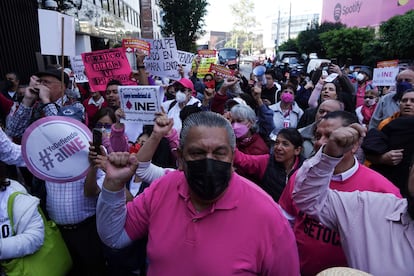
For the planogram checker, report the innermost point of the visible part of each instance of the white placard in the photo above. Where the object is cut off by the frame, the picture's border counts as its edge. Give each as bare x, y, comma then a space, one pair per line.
185, 59
50, 29
140, 103
162, 61
385, 76
78, 69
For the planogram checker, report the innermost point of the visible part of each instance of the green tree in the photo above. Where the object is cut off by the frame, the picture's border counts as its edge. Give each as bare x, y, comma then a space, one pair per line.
374, 51
346, 43
309, 40
290, 45
398, 35
244, 24
183, 19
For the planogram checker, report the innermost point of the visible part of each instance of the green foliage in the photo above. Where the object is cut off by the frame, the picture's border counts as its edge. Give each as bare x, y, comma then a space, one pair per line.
347, 42
183, 19
398, 32
242, 35
309, 41
374, 51
290, 45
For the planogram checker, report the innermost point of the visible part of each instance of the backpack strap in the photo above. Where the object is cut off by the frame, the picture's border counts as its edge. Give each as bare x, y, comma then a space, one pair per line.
172, 104
10, 202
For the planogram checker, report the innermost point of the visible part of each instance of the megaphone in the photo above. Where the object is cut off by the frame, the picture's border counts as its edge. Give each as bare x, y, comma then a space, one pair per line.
259, 72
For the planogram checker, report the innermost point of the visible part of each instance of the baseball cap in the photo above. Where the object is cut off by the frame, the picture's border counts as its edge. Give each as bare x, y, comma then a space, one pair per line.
54, 73
187, 84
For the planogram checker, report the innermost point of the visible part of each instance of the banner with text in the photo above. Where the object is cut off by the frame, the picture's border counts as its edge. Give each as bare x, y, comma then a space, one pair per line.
385, 76
55, 148
162, 61
105, 65
185, 59
221, 70
131, 45
208, 57
140, 103
78, 69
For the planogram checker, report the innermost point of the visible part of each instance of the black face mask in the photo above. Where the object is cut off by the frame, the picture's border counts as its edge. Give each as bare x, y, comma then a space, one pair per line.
208, 178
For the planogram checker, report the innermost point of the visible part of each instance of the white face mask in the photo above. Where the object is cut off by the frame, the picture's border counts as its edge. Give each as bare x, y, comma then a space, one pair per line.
371, 102
180, 96
360, 77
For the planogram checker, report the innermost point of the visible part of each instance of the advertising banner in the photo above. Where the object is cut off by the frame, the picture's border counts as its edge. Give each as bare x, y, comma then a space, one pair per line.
363, 13
56, 148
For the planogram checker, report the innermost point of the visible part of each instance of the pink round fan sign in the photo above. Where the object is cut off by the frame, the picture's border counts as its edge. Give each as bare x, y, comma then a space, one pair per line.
55, 149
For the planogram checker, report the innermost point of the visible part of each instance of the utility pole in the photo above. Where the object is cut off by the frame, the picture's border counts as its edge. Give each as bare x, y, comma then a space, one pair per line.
290, 18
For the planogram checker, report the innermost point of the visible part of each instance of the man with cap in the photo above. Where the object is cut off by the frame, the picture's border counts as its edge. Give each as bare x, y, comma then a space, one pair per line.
44, 98
183, 96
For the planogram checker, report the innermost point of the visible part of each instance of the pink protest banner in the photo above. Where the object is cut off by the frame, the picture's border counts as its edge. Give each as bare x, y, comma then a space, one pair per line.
362, 13
56, 148
131, 44
221, 70
105, 65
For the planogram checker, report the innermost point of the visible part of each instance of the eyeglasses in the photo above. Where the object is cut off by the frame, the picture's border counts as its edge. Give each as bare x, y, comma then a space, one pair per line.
103, 125
208, 79
48, 82
369, 97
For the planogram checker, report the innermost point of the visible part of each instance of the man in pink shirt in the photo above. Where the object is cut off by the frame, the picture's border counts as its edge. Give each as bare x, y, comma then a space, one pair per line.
376, 228
203, 219
319, 246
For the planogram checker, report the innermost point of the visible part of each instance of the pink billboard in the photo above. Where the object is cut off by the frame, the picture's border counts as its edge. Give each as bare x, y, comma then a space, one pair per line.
362, 13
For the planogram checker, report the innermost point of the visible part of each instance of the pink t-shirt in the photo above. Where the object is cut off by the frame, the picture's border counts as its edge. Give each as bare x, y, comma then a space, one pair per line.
243, 233
320, 247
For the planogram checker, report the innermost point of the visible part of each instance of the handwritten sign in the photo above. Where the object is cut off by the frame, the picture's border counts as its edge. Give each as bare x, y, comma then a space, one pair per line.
185, 59
140, 103
162, 61
221, 70
105, 65
208, 57
55, 148
385, 76
131, 45
78, 69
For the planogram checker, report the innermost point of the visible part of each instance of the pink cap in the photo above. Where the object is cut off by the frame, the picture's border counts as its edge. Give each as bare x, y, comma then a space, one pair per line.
187, 84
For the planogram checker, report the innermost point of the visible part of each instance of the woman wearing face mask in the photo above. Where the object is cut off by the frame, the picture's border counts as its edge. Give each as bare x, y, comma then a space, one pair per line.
364, 112
271, 171
286, 112
183, 96
113, 131
248, 141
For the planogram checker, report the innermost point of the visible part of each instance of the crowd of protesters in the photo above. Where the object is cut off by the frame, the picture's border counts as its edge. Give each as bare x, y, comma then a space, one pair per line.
289, 176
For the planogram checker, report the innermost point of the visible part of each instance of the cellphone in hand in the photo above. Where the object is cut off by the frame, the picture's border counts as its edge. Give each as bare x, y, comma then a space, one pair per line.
334, 61
97, 140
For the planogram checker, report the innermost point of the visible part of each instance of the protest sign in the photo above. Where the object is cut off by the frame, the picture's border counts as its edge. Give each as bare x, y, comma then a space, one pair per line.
208, 57
140, 103
221, 70
162, 61
385, 76
388, 63
78, 69
105, 65
50, 30
55, 148
185, 59
131, 45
